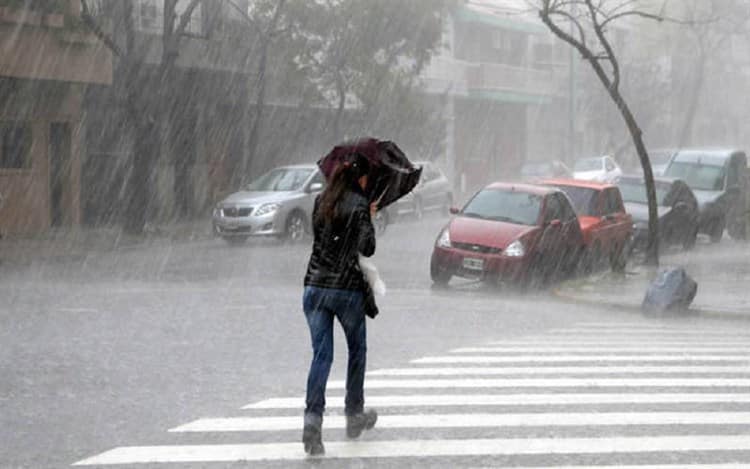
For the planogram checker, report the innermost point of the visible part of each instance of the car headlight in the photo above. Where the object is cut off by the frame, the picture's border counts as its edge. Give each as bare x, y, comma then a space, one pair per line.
515, 249
444, 240
266, 209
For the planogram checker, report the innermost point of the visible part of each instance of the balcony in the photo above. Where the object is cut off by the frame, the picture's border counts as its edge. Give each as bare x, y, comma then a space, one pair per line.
459, 77
51, 44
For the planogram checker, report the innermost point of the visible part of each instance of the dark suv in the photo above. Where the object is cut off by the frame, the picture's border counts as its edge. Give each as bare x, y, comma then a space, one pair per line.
717, 178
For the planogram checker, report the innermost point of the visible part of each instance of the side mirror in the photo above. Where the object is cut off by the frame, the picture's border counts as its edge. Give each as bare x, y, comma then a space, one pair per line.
315, 187
454, 211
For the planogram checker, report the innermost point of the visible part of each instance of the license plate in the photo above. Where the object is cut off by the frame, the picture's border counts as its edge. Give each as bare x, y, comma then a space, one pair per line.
473, 264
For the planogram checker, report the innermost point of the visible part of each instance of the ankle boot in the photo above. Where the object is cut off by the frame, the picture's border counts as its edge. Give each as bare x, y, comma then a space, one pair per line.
356, 423
312, 434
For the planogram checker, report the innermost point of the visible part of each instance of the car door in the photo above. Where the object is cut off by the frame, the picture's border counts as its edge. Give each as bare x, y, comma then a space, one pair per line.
312, 188
617, 224
550, 240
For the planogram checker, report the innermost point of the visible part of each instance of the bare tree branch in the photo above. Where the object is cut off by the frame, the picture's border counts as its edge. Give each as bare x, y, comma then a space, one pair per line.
95, 28
185, 17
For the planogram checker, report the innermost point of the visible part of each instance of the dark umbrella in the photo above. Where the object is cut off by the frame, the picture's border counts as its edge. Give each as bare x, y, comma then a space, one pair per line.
392, 175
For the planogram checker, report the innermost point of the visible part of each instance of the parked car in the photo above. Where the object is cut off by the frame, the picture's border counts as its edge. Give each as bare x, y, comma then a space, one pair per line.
279, 203
600, 169
659, 160
606, 226
509, 233
433, 193
717, 180
532, 170
677, 209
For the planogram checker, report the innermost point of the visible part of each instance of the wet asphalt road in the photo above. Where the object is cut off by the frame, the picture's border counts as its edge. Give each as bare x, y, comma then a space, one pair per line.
115, 348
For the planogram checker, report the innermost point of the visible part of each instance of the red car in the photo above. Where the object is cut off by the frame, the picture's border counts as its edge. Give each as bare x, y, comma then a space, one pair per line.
509, 233
607, 228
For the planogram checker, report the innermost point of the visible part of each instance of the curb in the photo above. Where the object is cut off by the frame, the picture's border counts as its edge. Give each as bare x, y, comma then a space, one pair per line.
631, 308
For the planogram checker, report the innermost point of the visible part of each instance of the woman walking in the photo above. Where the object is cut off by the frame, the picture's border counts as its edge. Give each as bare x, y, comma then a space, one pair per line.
334, 287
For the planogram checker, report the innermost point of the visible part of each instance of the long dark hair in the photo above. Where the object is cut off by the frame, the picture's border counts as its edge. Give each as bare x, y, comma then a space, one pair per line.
345, 177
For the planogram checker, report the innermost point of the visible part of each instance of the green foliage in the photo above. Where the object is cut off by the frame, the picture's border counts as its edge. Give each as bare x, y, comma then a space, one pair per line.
370, 54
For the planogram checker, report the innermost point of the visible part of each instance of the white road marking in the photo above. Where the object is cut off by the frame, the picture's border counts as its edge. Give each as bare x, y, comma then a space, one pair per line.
434, 400
614, 341
640, 466
567, 370
420, 448
613, 349
549, 383
645, 333
584, 358
477, 420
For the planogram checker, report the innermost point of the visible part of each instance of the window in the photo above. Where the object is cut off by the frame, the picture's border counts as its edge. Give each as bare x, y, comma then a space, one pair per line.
15, 145
504, 205
554, 209
583, 199
566, 210
151, 16
612, 202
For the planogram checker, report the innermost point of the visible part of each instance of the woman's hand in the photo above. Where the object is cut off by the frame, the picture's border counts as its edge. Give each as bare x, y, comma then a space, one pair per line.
373, 209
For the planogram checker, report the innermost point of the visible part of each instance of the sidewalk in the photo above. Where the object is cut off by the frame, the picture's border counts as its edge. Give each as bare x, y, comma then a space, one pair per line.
722, 272
76, 242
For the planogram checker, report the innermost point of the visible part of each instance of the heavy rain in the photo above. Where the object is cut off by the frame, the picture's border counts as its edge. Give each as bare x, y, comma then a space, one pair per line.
204, 204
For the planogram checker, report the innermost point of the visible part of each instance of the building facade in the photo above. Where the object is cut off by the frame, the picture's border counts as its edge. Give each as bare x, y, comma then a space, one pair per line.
47, 59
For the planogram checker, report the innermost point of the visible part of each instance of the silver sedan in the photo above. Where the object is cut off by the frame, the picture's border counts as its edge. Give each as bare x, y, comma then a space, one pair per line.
279, 204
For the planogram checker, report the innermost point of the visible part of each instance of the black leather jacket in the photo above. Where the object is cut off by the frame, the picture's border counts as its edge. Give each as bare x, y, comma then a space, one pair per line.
334, 262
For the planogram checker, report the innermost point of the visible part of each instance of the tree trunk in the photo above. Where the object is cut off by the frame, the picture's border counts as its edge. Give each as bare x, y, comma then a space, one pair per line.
341, 89
694, 99
652, 248
260, 104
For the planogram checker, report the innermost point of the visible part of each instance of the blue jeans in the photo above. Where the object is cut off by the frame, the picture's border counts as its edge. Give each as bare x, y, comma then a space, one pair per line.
320, 306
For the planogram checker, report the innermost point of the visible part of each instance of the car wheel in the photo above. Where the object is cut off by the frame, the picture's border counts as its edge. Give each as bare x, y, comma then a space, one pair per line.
235, 240
439, 276
717, 230
380, 222
418, 208
295, 227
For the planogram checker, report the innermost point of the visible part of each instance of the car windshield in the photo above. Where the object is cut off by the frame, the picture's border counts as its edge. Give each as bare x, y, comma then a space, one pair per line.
698, 176
635, 191
281, 180
582, 198
588, 164
510, 206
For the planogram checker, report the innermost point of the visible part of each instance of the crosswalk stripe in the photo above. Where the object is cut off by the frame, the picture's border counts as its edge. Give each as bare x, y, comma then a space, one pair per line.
613, 341
567, 370
440, 400
579, 358
420, 448
640, 466
613, 349
635, 332
549, 382
477, 420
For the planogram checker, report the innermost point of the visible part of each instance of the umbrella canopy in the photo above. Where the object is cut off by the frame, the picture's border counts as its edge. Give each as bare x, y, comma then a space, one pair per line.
392, 175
